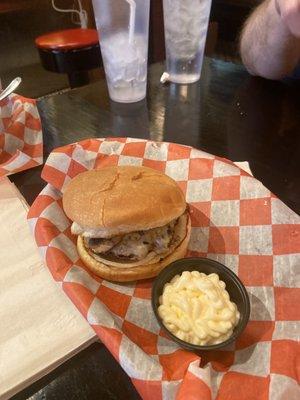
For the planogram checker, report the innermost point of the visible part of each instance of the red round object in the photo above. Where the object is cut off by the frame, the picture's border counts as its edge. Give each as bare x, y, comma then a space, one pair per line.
69, 39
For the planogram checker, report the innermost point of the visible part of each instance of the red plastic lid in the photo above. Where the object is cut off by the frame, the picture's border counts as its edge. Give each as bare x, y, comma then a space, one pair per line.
68, 39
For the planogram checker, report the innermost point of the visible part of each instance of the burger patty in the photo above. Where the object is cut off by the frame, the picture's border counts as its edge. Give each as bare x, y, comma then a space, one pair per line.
136, 245
99, 245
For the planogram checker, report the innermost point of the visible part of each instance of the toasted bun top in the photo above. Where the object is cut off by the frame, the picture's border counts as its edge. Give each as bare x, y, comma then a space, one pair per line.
122, 199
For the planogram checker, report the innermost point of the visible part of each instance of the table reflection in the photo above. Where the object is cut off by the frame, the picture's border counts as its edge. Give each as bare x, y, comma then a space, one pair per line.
182, 115
130, 120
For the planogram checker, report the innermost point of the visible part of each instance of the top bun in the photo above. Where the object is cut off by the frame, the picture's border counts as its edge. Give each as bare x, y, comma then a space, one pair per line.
122, 199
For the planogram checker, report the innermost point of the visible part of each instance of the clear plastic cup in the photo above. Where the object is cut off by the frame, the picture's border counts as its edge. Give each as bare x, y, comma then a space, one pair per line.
123, 27
186, 25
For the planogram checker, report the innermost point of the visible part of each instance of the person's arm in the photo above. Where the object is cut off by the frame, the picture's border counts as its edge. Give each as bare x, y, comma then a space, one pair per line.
270, 40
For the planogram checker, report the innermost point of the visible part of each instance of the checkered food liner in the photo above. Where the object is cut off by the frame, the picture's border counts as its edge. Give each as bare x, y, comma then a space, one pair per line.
236, 221
21, 140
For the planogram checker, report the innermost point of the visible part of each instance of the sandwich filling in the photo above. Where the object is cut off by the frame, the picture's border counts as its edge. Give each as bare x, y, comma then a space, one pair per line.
137, 248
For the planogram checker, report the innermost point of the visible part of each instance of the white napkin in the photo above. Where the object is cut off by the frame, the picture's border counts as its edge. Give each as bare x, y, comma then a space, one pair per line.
40, 327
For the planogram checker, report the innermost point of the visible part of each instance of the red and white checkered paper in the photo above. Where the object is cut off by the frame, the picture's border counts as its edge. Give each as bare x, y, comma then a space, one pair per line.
236, 221
21, 139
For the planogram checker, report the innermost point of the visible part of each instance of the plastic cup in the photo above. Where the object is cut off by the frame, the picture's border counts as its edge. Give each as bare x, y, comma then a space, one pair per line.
186, 25
123, 27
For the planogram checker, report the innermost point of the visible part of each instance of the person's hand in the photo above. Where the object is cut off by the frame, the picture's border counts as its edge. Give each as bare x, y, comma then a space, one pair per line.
289, 11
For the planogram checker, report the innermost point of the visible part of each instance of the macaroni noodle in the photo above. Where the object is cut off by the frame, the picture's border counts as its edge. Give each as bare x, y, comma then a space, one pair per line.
196, 308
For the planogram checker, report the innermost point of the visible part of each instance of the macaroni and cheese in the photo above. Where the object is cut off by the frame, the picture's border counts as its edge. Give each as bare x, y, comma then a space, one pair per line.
196, 308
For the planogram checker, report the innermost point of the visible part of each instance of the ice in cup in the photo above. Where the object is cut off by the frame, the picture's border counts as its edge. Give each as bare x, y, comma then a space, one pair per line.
123, 27
186, 25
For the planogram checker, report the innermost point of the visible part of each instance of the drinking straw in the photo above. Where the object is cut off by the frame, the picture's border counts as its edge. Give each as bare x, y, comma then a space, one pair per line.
132, 5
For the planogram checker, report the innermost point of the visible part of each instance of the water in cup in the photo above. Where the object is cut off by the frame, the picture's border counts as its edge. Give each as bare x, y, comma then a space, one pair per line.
185, 35
123, 31
125, 67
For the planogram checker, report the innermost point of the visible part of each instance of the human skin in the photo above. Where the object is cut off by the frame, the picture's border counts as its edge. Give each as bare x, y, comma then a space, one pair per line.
270, 40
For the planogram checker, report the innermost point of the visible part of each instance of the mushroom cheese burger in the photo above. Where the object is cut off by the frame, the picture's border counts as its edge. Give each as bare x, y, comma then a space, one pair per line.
131, 221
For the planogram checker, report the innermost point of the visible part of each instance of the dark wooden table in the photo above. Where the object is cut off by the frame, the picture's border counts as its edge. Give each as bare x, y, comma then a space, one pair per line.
228, 113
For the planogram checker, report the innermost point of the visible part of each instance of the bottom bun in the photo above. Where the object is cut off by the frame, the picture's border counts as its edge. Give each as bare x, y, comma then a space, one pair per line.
117, 274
